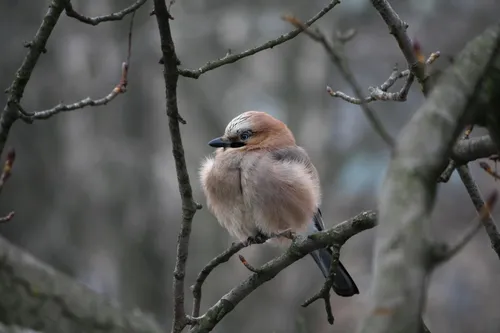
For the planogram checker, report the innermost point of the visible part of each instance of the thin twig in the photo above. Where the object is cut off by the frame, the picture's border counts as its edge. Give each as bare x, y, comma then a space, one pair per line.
229, 59
6, 173
336, 52
486, 167
189, 206
205, 272
120, 88
248, 266
475, 195
7, 217
443, 254
446, 174
7, 168
381, 93
324, 292
224, 257
117, 16
397, 28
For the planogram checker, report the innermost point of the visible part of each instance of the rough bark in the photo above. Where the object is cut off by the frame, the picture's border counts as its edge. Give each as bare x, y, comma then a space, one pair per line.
402, 259
35, 296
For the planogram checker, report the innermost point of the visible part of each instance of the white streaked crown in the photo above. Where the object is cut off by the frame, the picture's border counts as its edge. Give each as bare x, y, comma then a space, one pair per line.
238, 123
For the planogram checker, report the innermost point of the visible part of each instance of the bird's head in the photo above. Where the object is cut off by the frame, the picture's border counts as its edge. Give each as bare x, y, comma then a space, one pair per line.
254, 130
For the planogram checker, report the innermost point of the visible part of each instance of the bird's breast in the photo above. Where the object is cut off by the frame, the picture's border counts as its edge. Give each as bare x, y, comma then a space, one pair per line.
222, 186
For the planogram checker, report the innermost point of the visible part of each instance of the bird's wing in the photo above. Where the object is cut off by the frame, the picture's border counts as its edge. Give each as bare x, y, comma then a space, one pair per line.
299, 155
281, 187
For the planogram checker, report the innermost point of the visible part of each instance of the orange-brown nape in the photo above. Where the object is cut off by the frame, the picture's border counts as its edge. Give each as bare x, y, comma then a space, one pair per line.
255, 130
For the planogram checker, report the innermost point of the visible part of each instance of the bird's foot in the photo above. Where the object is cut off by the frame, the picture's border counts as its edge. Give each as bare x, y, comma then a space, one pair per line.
258, 238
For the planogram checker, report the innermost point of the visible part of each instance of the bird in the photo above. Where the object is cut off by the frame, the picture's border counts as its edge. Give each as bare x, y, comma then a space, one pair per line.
260, 182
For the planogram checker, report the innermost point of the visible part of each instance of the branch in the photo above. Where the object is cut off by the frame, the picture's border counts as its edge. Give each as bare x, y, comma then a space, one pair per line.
120, 88
493, 114
472, 149
220, 259
402, 248
36, 296
475, 195
486, 167
171, 75
445, 253
324, 292
300, 247
117, 16
6, 173
398, 29
381, 93
7, 218
452, 164
7, 168
45, 114
16, 90
229, 59
337, 55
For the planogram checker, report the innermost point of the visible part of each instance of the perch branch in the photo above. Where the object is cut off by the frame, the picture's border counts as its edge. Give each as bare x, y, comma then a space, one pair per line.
230, 58
301, 246
222, 258
117, 16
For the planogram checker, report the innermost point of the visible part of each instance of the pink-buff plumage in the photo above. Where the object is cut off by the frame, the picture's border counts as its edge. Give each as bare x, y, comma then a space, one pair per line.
260, 181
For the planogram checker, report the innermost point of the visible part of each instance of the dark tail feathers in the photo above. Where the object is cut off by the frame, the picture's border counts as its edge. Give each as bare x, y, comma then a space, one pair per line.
343, 285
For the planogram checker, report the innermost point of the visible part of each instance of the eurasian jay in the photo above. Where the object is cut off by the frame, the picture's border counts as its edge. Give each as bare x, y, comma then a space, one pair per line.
259, 182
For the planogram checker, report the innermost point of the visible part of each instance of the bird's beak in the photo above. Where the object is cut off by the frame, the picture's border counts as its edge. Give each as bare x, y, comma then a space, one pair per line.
219, 143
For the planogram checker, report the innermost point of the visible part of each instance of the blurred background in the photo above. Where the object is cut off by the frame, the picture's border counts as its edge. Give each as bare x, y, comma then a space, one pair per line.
95, 190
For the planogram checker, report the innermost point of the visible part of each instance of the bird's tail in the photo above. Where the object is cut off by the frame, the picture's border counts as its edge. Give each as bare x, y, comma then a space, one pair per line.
343, 284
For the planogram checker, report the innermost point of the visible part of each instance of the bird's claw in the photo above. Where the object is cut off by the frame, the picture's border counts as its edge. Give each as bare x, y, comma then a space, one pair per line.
259, 238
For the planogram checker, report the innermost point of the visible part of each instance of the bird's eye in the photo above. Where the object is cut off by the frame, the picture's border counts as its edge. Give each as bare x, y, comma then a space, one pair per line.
245, 135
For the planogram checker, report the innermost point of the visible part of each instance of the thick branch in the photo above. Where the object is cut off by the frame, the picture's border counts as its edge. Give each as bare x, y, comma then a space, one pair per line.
402, 248
117, 16
36, 296
472, 149
189, 207
300, 247
229, 59
10, 112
